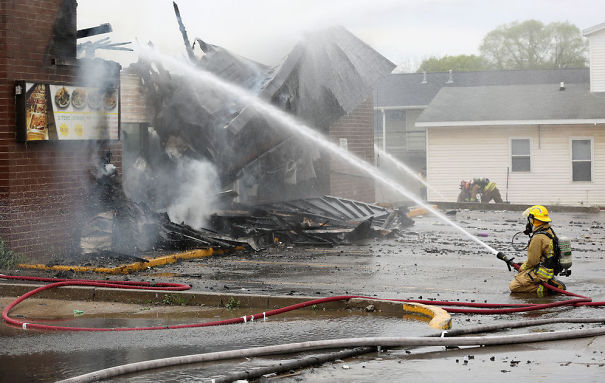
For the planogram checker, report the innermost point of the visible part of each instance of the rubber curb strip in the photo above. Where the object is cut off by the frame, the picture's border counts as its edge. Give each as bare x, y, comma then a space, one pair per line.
436, 317
133, 267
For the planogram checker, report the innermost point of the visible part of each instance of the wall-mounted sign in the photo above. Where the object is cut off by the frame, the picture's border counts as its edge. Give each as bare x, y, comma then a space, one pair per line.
48, 112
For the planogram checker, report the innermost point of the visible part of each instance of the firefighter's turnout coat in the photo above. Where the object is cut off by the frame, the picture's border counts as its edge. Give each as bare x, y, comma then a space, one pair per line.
533, 271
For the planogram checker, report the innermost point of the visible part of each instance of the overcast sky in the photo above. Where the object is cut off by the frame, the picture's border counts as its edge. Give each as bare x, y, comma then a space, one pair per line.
404, 31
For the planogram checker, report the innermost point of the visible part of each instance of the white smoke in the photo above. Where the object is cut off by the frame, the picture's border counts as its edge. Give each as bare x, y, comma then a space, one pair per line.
196, 185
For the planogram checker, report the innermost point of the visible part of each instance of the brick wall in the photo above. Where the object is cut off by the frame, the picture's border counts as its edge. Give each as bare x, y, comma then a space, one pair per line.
44, 186
357, 128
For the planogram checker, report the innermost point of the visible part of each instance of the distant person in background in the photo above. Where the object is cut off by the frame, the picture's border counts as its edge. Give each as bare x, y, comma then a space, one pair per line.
491, 192
487, 190
465, 192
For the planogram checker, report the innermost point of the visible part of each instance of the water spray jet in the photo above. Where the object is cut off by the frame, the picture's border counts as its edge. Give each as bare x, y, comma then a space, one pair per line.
401, 166
295, 126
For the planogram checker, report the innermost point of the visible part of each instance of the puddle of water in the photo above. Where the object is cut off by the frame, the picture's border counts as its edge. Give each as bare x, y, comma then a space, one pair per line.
62, 355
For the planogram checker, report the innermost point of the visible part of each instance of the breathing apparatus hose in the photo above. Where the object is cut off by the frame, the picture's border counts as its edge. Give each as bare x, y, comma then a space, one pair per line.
514, 244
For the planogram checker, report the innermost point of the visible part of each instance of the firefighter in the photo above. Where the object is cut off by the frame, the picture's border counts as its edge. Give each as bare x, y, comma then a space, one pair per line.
491, 192
534, 270
478, 185
465, 191
487, 190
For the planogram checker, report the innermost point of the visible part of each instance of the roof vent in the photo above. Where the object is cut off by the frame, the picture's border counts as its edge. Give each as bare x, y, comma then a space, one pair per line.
562, 86
424, 80
450, 79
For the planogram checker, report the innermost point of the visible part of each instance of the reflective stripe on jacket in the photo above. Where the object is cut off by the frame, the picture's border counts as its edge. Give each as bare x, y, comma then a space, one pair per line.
490, 187
545, 272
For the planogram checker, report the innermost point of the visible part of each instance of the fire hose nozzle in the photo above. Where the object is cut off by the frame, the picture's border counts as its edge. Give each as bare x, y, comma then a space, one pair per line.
503, 257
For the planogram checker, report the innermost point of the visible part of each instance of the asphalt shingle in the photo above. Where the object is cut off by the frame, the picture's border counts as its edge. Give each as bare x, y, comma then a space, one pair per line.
514, 103
407, 89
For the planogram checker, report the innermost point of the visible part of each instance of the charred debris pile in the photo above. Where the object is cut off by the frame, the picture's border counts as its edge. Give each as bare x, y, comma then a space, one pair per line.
118, 230
122, 230
128, 231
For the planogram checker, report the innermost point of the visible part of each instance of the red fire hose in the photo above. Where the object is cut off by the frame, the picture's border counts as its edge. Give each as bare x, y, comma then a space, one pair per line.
478, 308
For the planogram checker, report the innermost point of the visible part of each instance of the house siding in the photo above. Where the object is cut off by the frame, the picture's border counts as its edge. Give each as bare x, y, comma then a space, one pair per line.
463, 153
597, 61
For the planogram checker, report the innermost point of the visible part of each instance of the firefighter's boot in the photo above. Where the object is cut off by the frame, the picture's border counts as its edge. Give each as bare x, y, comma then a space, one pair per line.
556, 283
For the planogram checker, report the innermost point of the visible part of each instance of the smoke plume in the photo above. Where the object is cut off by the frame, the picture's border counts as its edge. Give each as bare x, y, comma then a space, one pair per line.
196, 187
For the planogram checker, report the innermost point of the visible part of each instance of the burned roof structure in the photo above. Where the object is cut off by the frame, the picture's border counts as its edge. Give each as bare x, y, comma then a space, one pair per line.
325, 76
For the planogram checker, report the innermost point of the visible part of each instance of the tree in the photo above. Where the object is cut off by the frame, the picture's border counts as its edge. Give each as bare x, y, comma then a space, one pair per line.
533, 45
458, 63
569, 47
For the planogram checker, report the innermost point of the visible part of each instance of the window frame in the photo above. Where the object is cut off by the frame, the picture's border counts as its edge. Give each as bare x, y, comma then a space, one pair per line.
511, 155
571, 160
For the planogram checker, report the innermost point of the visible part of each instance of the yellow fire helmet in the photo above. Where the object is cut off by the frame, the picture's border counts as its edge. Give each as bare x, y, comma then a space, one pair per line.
538, 212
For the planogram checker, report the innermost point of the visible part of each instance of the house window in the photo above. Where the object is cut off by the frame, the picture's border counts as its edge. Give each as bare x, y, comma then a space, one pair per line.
520, 155
581, 159
415, 137
343, 143
395, 132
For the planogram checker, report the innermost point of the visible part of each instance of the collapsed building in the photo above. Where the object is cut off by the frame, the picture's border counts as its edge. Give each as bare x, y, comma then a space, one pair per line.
100, 185
269, 185
326, 82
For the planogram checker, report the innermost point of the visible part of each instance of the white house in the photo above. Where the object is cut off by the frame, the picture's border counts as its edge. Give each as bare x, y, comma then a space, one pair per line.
596, 52
401, 98
541, 143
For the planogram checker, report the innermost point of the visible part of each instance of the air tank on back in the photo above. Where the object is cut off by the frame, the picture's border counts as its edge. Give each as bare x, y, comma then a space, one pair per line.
565, 259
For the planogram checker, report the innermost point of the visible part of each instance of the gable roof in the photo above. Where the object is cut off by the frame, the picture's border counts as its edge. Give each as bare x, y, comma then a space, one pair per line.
408, 89
593, 29
513, 105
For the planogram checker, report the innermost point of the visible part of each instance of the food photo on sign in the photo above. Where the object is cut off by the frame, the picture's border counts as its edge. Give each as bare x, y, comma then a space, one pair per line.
39, 122
62, 112
85, 113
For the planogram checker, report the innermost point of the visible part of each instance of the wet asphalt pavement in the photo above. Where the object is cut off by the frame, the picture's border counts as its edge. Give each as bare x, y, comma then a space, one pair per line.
430, 260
